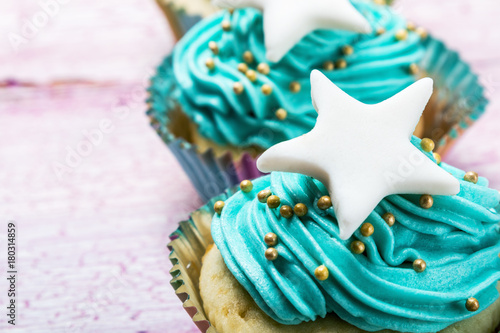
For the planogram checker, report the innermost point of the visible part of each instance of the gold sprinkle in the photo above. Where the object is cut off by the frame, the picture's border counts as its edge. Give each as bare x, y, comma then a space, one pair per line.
286, 211
414, 69
380, 2
248, 57
226, 25
246, 186
263, 68
341, 64
210, 63
421, 32
295, 86
271, 254
213, 47
300, 209
347, 50
328, 66
273, 201
380, 31
271, 239
472, 177
263, 195
411, 26
231, 11
266, 89
281, 114
437, 157
389, 219
321, 273
401, 34
218, 206
367, 229
242, 67
427, 145
324, 202
419, 265
238, 88
251, 75
472, 304
358, 247
426, 201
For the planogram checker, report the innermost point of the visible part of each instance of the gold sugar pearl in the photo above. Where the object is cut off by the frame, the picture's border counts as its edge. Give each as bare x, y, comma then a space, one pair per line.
324, 202
419, 265
281, 114
251, 75
421, 32
273, 201
218, 206
263, 195
380, 2
389, 219
226, 25
238, 88
271, 239
300, 209
437, 157
413, 69
231, 11
380, 31
472, 177
248, 57
341, 64
358, 247
271, 254
266, 89
411, 26
213, 47
210, 63
328, 66
347, 50
263, 68
401, 34
472, 304
286, 211
321, 273
246, 186
242, 67
427, 145
295, 86
426, 201
367, 229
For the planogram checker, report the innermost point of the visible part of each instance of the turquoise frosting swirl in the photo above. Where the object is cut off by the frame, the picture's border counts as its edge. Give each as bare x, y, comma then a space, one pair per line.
458, 238
376, 70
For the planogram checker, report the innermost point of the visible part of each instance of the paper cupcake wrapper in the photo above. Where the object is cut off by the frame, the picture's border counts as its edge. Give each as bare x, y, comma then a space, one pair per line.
458, 101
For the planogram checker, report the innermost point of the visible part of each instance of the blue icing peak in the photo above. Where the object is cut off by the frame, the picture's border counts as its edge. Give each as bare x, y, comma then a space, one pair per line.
376, 70
458, 238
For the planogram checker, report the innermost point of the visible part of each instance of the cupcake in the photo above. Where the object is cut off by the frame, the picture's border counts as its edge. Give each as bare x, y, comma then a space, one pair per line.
300, 251
223, 97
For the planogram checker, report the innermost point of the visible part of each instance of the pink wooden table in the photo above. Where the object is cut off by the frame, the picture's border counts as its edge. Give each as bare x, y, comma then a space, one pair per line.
92, 236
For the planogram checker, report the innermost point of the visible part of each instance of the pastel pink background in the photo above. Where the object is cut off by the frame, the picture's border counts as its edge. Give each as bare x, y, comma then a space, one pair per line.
92, 242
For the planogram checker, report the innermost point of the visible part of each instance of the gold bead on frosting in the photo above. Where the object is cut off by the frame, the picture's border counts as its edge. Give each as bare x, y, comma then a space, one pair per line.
271, 254
380, 2
324, 202
414, 69
266, 89
472, 304
286, 211
281, 114
427, 145
411, 26
295, 86
246, 186
347, 50
389, 219
419, 265
472, 177
358, 247
426, 201
210, 63
242, 67
251, 75
321, 273
380, 31
213, 47
341, 64
271, 239
226, 25
248, 57
437, 157
263, 195
263, 68
328, 65
401, 34
300, 209
218, 206
421, 32
238, 88
367, 229
273, 201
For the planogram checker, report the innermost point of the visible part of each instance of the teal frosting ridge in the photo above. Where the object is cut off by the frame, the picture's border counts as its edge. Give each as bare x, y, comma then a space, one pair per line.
458, 238
378, 68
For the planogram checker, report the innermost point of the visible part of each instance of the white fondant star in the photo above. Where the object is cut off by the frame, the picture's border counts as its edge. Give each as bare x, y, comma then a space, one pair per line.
362, 153
286, 22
